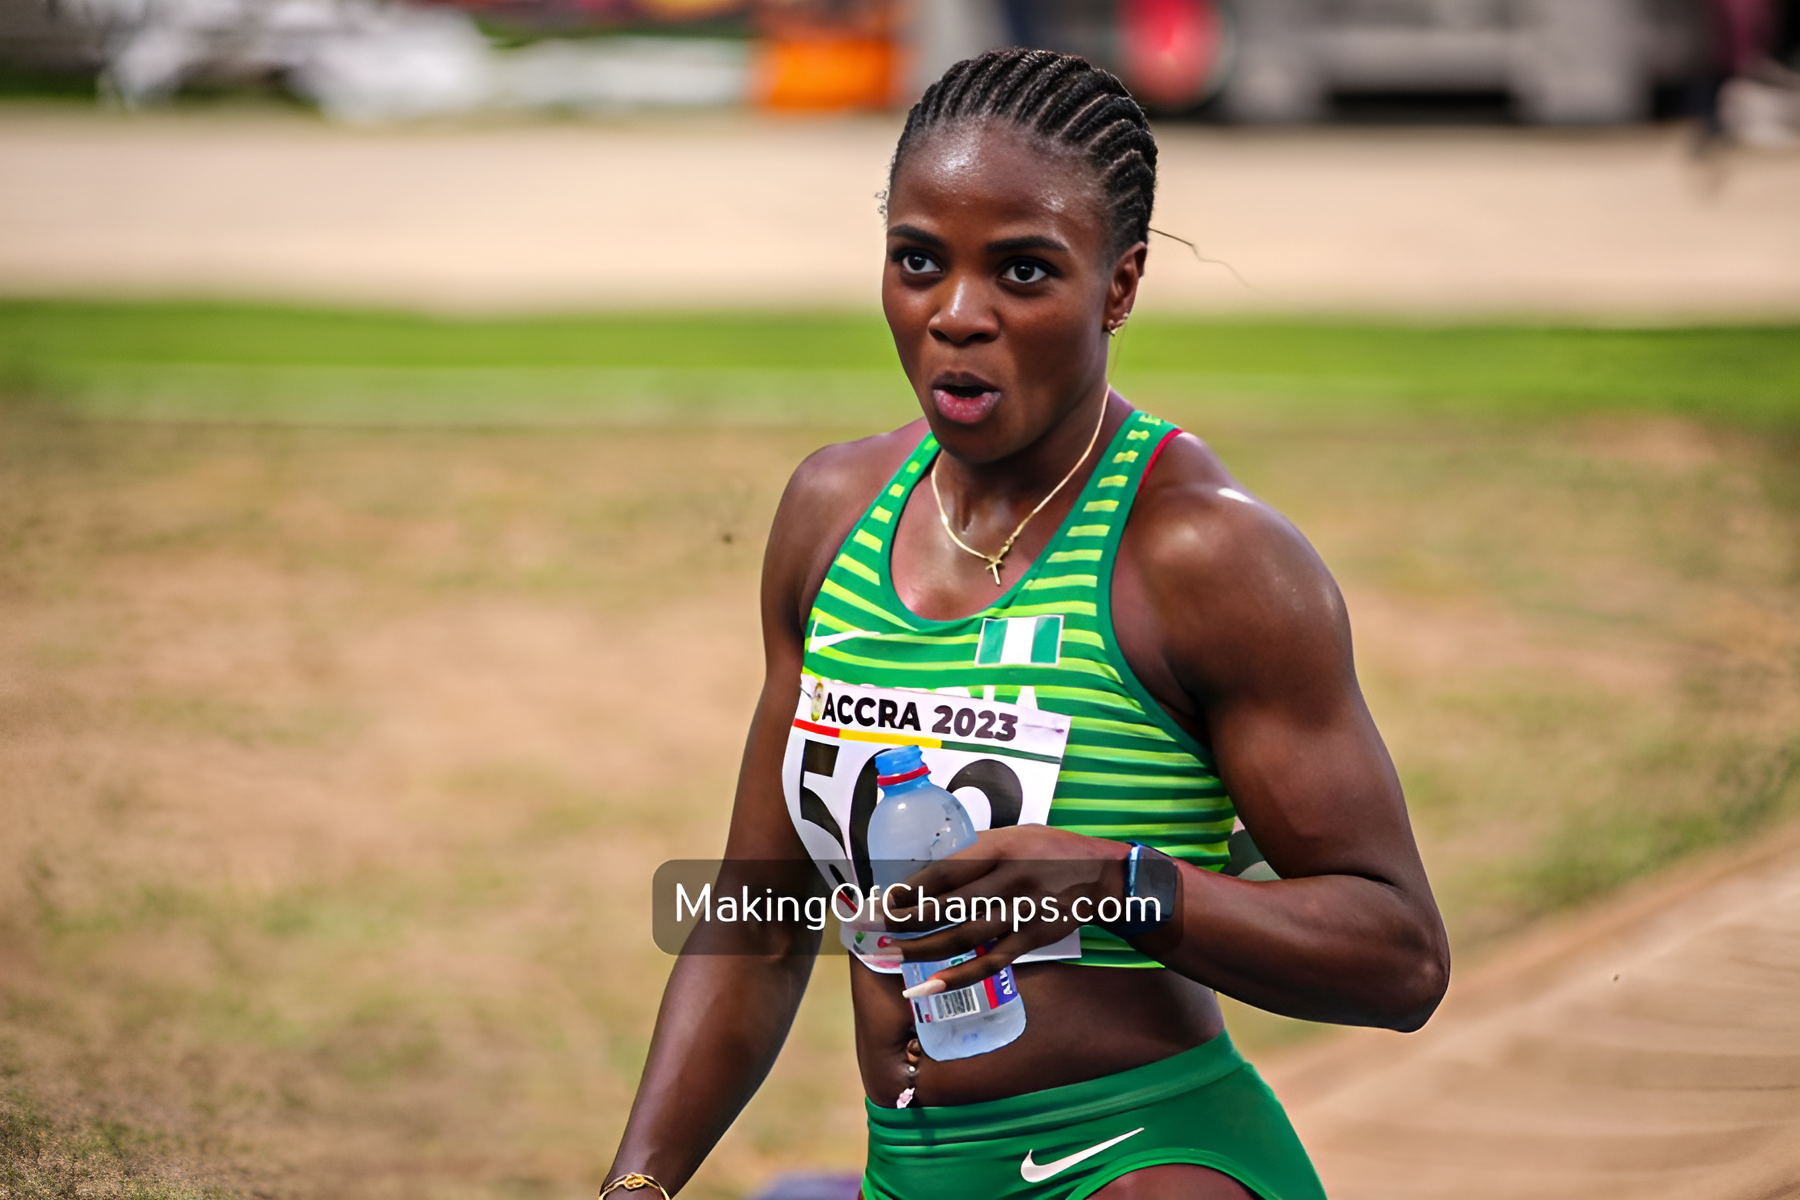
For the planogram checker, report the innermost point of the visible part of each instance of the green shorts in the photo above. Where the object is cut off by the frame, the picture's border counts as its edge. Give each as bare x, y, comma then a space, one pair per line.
1206, 1106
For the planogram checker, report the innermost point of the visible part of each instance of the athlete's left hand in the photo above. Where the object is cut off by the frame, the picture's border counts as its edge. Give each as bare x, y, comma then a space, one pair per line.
1039, 884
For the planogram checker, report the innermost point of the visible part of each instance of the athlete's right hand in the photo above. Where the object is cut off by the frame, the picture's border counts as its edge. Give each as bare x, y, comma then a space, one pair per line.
1024, 887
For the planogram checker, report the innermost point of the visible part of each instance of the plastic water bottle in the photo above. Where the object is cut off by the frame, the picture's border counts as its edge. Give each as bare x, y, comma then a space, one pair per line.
917, 822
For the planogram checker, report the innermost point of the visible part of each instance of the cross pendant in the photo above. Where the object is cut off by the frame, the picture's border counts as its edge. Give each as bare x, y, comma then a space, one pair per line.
994, 566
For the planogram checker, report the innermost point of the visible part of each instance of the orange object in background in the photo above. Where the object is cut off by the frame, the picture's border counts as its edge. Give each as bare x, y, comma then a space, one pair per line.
825, 74
688, 10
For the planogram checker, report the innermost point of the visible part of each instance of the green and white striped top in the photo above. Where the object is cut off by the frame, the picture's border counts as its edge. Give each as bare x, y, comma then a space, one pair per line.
1129, 772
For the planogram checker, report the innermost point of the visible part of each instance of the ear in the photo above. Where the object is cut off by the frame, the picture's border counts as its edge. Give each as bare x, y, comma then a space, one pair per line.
1121, 292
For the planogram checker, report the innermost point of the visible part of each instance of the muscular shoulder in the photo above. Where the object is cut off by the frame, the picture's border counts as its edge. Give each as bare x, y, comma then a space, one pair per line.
824, 497
1234, 595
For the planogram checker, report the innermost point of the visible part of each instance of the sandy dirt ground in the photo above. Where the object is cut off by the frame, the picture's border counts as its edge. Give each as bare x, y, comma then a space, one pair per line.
1650, 1050
726, 211
333, 764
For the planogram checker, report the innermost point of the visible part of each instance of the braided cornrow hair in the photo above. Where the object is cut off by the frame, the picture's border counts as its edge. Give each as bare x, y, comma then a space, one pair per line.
1067, 102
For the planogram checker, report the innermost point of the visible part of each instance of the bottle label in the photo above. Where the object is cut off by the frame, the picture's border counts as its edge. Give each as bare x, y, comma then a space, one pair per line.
972, 1001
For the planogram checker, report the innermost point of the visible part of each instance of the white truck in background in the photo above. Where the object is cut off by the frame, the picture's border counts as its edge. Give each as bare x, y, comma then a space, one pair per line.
1282, 61
1562, 62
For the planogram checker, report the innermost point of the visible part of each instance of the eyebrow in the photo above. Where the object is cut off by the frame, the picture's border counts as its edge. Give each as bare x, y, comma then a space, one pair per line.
1032, 242
1036, 241
913, 233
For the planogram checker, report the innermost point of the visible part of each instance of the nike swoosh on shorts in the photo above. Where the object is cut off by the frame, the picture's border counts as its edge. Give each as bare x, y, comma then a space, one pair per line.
1038, 1172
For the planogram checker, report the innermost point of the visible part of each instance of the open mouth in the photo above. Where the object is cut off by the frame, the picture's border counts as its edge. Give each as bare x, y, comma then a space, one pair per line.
965, 400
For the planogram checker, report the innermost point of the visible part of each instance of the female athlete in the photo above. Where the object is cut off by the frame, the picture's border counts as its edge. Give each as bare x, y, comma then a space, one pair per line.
1035, 550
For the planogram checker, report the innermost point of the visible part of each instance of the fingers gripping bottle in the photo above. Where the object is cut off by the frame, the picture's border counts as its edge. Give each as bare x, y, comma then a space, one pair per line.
915, 823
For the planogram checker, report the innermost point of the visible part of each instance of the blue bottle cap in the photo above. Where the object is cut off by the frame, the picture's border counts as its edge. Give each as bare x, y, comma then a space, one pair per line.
899, 764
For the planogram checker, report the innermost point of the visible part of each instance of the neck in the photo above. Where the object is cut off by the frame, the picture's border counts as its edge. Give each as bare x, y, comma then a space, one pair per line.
1023, 477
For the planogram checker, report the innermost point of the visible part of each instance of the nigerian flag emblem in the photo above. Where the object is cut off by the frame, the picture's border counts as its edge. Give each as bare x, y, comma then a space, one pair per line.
1020, 641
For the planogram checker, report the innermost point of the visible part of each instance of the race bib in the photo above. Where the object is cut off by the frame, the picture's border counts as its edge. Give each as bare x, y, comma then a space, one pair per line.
1001, 760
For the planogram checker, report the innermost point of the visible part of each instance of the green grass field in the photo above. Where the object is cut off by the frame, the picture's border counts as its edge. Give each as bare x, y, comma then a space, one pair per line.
213, 362
332, 755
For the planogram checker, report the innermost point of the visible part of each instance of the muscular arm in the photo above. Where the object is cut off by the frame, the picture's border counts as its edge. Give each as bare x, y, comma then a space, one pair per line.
1255, 651
724, 1017
1236, 628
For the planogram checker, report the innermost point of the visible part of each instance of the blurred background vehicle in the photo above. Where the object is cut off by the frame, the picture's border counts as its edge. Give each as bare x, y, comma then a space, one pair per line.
1286, 61
1557, 61
1552, 62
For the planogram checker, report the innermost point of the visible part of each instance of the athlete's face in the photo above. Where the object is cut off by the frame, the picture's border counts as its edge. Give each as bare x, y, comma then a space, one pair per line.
1000, 282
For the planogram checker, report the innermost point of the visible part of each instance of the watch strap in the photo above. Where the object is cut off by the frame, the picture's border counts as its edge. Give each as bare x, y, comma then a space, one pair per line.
1152, 890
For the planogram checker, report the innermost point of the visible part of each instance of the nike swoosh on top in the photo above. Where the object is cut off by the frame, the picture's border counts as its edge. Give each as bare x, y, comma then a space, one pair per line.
832, 639
1038, 1172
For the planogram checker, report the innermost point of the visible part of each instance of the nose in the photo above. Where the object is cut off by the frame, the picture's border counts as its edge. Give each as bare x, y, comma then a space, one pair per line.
965, 316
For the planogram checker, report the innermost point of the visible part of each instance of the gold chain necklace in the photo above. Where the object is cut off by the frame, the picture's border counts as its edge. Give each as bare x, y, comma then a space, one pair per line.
993, 561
